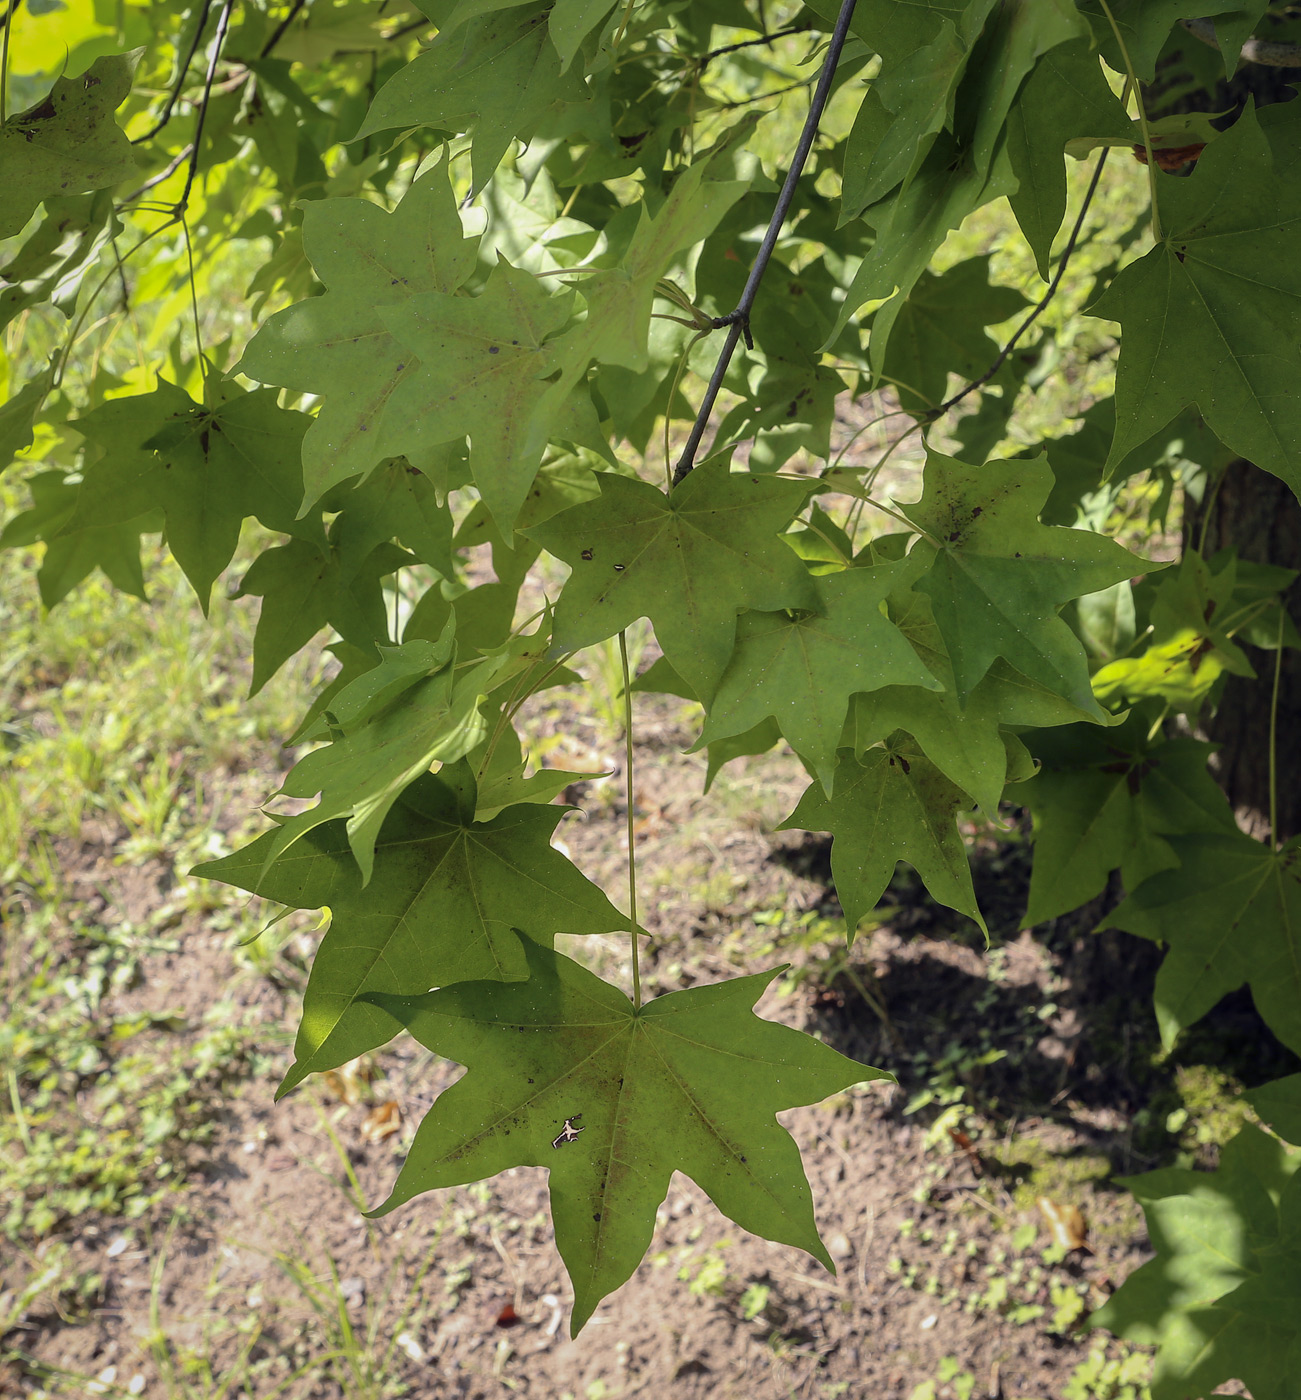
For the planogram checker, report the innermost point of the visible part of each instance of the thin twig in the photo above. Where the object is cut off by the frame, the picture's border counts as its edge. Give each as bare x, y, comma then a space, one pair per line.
8, 24
223, 23
632, 825
165, 173
1038, 307
279, 32
738, 322
707, 58
1271, 52
174, 96
1273, 731
1133, 86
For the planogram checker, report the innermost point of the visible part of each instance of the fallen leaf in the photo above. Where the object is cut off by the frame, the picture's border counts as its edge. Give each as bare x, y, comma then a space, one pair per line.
382, 1121
348, 1082
1065, 1222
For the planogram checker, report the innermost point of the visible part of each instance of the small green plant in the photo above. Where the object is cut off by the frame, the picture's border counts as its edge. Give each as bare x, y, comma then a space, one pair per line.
1103, 1377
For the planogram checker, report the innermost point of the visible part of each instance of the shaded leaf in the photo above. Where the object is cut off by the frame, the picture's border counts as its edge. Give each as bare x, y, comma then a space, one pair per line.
1207, 313
1107, 799
890, 804
1230, 913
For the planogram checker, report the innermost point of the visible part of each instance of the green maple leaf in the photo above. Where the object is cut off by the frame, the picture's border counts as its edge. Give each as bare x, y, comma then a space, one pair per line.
572, 21
1231, 913
483, 362
1145, 26
801, 669
1279, 1104
18, 416
1064, 96
1192, 614
897, 28
1107, 800
448, 898
68, 142
966, 166
70, 555
338, 346
390, 725
620, 298
689, 1082
1207, 313
690, 561
997, 577
500, 72
304, 587
939, 330
395, 499
904, 110
890, 804
207, 466
1222, 1298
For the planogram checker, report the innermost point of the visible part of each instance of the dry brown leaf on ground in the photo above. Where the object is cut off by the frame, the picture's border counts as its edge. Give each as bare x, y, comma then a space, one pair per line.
382, 1121
1066, 1223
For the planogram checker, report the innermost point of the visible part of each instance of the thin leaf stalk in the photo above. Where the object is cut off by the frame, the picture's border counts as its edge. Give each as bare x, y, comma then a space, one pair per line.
632, 835
738, 321
1132, 85
1273, 733
1040, 306
4, 62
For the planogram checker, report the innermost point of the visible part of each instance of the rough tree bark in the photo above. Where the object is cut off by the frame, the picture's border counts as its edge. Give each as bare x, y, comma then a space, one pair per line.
1256, 514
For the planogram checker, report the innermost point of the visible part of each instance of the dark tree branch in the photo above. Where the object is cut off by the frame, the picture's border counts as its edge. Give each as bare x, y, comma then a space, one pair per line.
168, 170
1039, 307
707, 58
174, 96
738, 321
1273, 53
278, 33
219, 40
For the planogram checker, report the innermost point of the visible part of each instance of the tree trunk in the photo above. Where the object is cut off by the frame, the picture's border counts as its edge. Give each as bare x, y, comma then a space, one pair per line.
1257, 515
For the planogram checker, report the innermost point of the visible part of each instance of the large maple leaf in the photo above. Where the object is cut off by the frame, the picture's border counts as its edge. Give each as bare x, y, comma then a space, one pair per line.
1209, 315
1107, 800
565, 1073
500, 71
67, 142
997, 577
484, 361
1231, 913
890, 804
690, 561
338, 346
448, 897
801, 668
208, 466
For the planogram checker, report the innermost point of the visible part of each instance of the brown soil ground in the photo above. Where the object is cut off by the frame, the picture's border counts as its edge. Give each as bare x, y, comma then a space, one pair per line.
1041, 1047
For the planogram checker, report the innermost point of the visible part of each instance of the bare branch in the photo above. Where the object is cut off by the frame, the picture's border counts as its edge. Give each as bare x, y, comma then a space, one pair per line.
1267, 51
